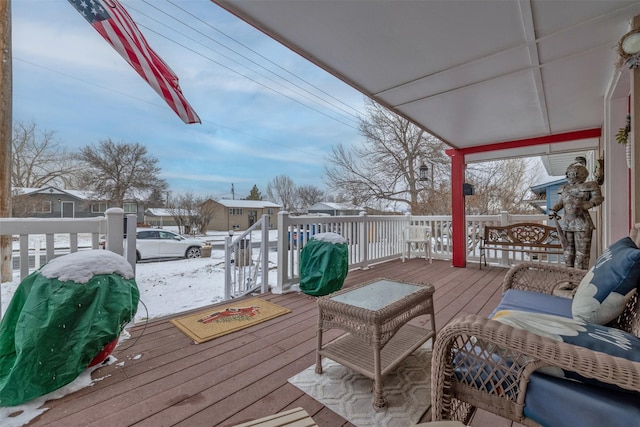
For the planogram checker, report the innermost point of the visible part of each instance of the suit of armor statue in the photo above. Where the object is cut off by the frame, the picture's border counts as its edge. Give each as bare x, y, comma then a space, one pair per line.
576, 198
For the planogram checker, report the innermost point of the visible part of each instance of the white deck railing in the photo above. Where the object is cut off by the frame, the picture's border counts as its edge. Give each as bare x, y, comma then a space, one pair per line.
371, 239
246, 263
111, 226
376, 238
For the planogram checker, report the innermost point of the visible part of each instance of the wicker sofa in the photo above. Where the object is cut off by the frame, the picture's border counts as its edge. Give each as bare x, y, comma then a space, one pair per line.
483, 363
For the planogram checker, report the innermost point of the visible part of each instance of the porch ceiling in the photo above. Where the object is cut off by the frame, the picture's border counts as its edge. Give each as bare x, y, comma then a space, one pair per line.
469, 72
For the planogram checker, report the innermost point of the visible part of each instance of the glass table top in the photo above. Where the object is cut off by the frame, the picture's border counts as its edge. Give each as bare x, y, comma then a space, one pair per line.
377, 295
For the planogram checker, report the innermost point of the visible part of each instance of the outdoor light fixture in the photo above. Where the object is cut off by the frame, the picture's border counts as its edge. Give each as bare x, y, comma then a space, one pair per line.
423, 170
629, 48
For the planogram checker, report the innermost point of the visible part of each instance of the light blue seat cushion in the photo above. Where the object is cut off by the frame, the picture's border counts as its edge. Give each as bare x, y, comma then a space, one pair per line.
571, 331
534, 302
556, 402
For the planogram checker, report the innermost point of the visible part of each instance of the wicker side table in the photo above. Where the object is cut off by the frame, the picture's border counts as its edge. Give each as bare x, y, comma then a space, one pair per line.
375, 316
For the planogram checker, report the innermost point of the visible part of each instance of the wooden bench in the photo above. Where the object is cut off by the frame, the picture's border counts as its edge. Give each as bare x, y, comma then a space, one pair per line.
526, 237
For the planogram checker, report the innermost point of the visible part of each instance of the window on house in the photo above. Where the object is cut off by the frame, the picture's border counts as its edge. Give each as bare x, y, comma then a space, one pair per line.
235, 227
270, 211
44, 206
235, 211
99, 207
130, 207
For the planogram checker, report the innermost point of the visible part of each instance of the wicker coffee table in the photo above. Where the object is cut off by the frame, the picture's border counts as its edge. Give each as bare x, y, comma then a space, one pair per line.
375, 316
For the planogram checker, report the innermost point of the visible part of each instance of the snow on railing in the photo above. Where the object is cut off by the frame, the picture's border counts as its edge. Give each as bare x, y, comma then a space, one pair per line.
246, 271
60, 236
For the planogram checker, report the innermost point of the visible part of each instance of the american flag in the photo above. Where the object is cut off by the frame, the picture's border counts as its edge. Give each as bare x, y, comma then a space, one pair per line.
113, 23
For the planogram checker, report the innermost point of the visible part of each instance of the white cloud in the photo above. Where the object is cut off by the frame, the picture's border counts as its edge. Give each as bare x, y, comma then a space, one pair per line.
68, 80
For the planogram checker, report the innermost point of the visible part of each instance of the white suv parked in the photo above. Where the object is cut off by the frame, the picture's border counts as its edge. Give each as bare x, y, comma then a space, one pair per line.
155, 243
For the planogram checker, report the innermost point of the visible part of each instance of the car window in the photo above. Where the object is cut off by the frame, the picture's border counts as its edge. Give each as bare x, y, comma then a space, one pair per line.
148, 234
167, 236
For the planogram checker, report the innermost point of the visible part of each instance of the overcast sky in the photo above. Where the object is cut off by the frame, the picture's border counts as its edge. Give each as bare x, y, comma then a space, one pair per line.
265, 111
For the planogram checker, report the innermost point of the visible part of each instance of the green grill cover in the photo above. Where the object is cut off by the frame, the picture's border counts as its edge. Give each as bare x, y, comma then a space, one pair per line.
54, 326
324, 262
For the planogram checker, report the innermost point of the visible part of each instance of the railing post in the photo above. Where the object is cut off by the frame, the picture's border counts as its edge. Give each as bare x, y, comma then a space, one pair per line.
24, 256
265, 254
115, 230
504, 220
130, 253
227, 266
283, 252
363, 241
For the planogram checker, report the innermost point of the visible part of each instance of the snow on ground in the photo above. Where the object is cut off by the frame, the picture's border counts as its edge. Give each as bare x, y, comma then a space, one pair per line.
169, 287
166, 288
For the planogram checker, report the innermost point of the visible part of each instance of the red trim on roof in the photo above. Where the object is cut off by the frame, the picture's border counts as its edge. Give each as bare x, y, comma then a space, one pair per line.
539, 140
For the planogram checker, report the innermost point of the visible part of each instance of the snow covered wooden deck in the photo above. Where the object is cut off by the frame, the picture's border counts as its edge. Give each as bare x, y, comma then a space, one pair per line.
163, 379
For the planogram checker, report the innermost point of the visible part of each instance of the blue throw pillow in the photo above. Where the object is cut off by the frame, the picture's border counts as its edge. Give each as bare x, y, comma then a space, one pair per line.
609, 284
599, 338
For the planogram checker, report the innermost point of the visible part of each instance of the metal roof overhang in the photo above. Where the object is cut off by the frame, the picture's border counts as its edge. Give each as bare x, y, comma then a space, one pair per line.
472, 73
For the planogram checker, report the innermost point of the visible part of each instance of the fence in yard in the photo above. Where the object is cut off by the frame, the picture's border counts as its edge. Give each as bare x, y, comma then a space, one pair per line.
376, 238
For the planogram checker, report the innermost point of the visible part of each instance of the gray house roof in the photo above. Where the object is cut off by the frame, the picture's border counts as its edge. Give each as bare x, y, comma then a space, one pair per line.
79, 194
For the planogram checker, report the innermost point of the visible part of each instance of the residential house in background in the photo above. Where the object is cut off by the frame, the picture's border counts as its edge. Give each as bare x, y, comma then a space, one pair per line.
547, 194
241, 214
53, 202
334, 209
159, 217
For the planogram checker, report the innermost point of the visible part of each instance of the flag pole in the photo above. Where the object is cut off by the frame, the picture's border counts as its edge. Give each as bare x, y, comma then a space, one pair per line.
6, 89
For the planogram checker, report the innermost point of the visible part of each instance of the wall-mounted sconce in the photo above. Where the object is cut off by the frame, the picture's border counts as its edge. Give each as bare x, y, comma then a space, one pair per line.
629, 48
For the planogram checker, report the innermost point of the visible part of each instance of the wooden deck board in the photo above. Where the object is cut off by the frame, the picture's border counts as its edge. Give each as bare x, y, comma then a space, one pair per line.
164, 379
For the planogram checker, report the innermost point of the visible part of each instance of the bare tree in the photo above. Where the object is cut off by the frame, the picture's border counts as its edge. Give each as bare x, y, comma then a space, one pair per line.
118, 170
282, 190
309, 195
501, 186
206, 212
384, 171
384, 168
38, 159
192, 214
184, 210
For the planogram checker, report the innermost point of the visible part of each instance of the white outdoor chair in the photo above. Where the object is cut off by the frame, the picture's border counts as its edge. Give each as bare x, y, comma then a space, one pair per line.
418, 239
